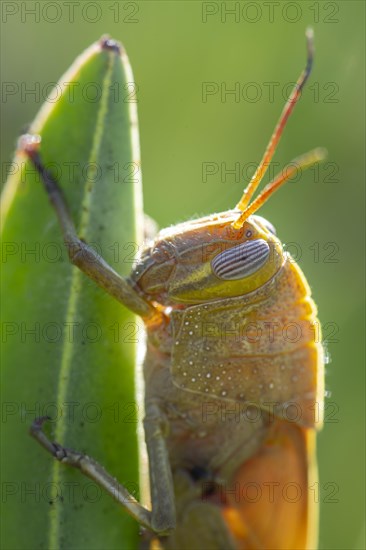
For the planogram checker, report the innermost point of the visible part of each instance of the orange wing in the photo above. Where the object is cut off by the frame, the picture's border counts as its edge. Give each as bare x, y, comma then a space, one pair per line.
276, 509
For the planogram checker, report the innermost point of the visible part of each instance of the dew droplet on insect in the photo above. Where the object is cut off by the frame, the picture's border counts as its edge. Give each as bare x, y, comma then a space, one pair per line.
190, 362
184, 374
190, 332
328, 393
177, 343
193, 379
186, 323
223, 393
271, 385
208, 375
217, 377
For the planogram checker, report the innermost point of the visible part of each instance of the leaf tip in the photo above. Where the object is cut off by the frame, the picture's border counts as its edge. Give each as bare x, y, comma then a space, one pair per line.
108, 43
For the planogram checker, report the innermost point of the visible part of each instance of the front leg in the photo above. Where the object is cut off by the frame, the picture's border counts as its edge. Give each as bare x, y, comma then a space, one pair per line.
99, 475
80, 253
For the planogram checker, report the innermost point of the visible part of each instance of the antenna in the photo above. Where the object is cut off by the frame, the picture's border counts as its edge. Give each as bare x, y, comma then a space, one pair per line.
275, 138
306, 160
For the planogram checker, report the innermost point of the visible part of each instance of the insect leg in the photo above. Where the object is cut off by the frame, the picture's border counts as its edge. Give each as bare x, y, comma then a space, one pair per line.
96, 472
80, 253
161, 481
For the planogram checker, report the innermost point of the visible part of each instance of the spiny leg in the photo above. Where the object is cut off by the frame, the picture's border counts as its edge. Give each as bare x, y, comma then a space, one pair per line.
80, 253
97, 473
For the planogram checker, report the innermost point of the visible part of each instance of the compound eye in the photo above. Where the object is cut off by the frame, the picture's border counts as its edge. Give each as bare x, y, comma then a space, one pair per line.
241, 261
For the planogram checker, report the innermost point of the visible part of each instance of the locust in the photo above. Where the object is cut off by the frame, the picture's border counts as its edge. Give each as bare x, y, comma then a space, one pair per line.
233, 371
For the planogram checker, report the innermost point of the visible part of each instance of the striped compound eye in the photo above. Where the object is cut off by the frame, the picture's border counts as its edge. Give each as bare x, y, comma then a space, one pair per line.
241, 261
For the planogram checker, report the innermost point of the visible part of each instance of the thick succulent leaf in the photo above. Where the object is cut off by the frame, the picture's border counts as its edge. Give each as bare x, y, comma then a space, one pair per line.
68, 349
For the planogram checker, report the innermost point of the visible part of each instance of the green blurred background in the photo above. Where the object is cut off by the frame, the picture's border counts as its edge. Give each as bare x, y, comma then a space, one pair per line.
174, 48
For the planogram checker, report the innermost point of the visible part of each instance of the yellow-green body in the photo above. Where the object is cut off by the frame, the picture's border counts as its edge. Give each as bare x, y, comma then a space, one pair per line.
237, 369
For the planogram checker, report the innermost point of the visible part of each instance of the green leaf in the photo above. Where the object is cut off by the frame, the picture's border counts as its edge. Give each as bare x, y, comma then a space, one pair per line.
69, 349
